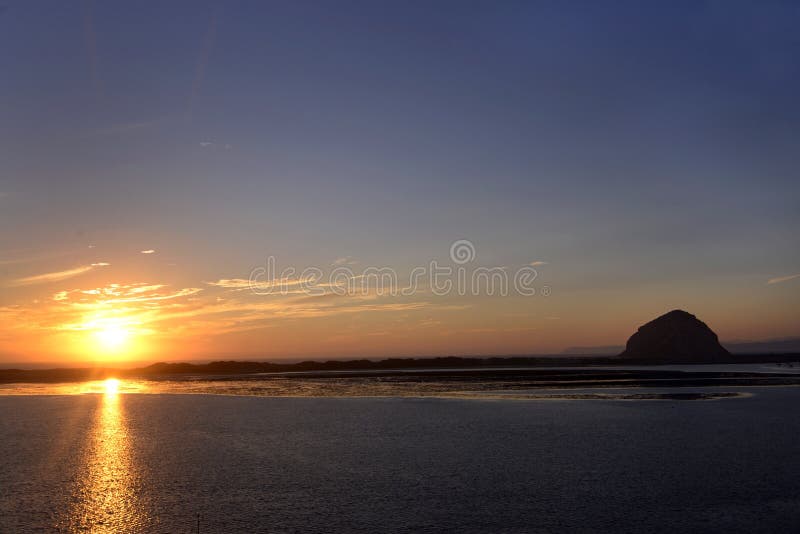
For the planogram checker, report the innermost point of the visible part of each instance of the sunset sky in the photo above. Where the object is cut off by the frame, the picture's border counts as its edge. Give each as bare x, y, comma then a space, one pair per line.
640, 158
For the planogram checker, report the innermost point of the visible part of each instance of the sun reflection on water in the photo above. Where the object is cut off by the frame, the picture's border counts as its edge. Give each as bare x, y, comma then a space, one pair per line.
106, 496
112, 386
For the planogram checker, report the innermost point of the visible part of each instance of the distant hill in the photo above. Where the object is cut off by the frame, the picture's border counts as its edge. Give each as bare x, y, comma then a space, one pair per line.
675, 337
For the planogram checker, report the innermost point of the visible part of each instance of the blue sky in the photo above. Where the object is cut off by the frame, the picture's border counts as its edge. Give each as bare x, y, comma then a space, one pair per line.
647, 150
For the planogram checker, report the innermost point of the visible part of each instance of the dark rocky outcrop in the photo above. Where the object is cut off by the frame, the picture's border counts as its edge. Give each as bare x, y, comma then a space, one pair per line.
676, 337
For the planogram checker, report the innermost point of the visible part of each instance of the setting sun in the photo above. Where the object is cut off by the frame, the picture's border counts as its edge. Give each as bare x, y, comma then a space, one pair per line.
113, 337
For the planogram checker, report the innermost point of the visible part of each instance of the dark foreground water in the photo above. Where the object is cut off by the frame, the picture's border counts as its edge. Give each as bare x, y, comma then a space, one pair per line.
150, 463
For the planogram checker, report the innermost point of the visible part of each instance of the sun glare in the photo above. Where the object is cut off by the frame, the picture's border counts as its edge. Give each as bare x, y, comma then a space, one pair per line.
115, 338
112, 337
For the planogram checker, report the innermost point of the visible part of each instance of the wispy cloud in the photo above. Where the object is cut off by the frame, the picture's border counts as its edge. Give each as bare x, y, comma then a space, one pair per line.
57, 276
231, 283
345, 260
243, 283
122, 293
148, 251
207, 144
783, 279
537, 263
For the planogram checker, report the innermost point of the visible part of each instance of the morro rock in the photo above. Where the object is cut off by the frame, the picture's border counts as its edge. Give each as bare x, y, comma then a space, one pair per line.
676, 337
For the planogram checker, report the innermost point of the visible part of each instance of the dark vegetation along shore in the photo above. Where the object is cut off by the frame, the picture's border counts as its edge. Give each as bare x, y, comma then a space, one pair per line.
533, 372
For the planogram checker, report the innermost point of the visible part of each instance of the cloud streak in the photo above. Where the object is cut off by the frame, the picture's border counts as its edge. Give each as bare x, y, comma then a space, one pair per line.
781, 279
231, 283
57, 276
119, 293
239, 284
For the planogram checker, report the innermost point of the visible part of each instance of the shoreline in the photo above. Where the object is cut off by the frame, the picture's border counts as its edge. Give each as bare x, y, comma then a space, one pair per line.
407, 367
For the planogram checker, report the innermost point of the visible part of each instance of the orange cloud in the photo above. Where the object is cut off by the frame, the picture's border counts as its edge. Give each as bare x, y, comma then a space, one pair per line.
58, 276
242, 283
783, 279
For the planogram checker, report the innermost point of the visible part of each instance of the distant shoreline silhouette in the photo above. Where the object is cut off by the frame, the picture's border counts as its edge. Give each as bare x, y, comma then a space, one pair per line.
223, 370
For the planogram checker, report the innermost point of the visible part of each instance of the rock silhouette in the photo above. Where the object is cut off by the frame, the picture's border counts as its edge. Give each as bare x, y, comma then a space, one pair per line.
676, 337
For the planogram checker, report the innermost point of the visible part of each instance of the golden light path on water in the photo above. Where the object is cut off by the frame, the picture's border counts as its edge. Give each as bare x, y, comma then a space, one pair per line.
105, 499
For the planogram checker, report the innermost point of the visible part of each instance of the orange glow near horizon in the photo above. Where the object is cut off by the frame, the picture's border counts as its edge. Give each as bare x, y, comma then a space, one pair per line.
107, 337
123, 322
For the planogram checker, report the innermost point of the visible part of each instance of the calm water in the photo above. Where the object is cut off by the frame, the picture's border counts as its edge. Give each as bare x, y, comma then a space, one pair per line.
150, 463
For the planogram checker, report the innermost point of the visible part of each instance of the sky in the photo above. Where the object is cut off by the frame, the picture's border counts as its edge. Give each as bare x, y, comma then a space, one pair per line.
630, 157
